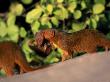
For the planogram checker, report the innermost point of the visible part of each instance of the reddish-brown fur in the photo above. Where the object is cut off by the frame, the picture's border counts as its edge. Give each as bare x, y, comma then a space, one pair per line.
43, 50
11, 54
81, 41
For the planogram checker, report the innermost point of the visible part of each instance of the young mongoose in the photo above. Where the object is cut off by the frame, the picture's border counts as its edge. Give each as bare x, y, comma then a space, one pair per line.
43, 50
86, 40
10, 55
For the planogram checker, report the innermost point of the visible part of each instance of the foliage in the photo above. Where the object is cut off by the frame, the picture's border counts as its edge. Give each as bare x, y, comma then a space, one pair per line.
70, 15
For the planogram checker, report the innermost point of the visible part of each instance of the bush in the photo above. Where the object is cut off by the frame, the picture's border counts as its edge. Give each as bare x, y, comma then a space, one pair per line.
26, 17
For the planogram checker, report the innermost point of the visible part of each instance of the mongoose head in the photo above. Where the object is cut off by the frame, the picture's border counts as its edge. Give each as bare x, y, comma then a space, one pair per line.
44, 34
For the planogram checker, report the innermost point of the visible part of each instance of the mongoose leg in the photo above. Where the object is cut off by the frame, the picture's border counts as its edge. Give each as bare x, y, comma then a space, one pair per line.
8, 70
65, 55
21, 71
106, 50
92, 50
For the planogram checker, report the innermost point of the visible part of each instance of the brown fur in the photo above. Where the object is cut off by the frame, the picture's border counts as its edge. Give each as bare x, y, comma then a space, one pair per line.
82, 41
43, 50
10, 54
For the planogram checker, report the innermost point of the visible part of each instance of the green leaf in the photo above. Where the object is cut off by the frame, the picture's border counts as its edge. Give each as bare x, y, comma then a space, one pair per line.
51, 58
49, 25
96, 17
17, 9
3, 29
61, 13
35, 57
27, 1
11, 19
33, 14
54, 21
14, 38
77, 14
2, 73
59, 1
58, 14
13, 30
35, 27
100, 1
72, 6
83, 5
64, 13
60, 51
23, 32
78, 26
26, 49
98, 8
49, 8
93, 23
87, 21
44, 19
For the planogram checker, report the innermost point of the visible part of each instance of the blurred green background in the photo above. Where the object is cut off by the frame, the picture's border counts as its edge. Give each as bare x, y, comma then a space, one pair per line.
21, 19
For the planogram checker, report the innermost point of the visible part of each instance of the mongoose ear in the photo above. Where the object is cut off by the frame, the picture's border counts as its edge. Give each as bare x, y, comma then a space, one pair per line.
39, 38
49, 33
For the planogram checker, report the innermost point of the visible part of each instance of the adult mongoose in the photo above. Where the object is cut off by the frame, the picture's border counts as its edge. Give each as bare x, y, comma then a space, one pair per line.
86, 40
10, 55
